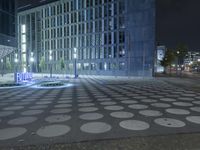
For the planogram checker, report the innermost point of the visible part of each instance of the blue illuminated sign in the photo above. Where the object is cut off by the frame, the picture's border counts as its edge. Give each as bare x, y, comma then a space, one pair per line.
23, 77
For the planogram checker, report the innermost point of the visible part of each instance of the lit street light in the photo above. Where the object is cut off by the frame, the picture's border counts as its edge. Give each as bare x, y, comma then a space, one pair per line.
75, 68
2, 68
50, 59
31, 61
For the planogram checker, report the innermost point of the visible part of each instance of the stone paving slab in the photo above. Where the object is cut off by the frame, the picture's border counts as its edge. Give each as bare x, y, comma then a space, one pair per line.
96, 109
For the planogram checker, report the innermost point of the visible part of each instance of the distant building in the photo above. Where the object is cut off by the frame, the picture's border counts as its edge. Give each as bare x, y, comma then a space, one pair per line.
8, 42
161, 50
111, 37
192, 61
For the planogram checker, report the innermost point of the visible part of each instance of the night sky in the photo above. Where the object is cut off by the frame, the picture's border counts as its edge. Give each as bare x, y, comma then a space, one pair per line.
178, 21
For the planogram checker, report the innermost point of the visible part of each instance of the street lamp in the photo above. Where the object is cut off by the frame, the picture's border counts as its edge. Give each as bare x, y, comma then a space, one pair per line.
31, 60
2, 68
75, 68
16, 62
50, 59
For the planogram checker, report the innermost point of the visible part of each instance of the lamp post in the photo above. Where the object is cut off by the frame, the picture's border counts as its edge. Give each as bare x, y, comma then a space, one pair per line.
2, 67
50, 59
177, 64
75, 67
16, 63
31, 60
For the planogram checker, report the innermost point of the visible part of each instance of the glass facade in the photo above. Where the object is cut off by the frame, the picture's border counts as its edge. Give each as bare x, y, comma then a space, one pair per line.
96, 28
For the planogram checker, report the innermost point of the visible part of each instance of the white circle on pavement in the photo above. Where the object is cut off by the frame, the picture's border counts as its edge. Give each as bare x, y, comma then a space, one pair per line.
60, 111
14, 108
196, 102
138, 106
84, 100
10, 133
104, 99
129, 102
157, 96
177, 111
43, 102
161, 105
96, 127
63, 105
134, 125
38, 107
168, 99
197, 109
86, 104
150, 113
53, 130
122, 114
140, 97
193, 119
108, 103
184, 104
91, 116
6, 113
88, 109
22, 120
169, 122
57, 118
149, 100
64, 101
189, 95
32, 112
114, 107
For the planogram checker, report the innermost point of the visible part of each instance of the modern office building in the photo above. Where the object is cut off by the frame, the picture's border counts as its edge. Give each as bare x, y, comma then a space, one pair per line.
8, 42
106, 37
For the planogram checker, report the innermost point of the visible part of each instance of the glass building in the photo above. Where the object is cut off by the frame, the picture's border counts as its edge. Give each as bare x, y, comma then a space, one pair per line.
8, 42
110, 37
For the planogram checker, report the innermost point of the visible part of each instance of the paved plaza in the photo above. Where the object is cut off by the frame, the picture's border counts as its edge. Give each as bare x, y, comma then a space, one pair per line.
96, 108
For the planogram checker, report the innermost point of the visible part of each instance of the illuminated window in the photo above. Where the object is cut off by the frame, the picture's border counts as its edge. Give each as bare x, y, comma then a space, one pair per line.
23, 38
23, 28
23, 48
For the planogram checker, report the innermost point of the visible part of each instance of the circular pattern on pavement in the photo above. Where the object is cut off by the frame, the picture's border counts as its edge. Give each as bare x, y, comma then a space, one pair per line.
114, 107
138, 106
96, 127
150, 113
108, 103
91, 116
122, 114
177, 111
53, 130
184, 104
134, 125
86, 104
88, 109
149, 100
168, 99
14, 108
57, 118
22, 120
169, 122
161, 105
197, 109
62, 105
60, 111
6, 113
32, 112
129, 102
193, 119
9, 133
